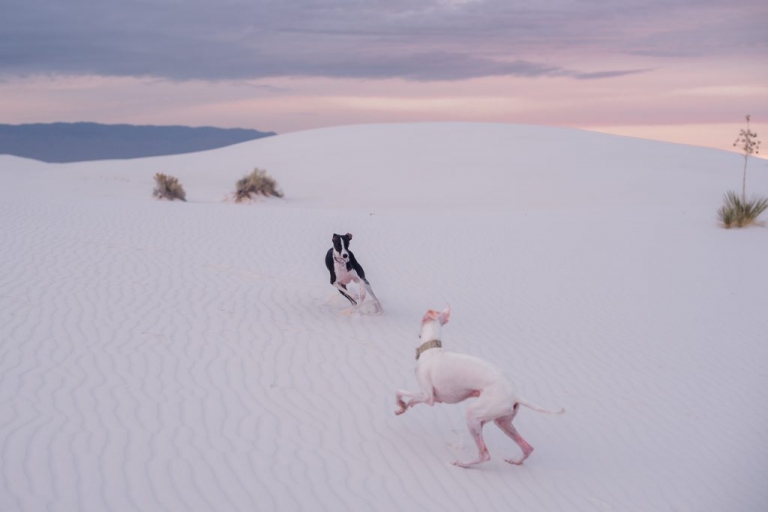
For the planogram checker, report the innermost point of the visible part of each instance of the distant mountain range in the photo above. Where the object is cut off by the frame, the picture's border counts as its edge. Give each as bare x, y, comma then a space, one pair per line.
76, 142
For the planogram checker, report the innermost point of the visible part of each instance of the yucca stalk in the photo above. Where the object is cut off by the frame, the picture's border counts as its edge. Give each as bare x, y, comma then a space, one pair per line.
750, 145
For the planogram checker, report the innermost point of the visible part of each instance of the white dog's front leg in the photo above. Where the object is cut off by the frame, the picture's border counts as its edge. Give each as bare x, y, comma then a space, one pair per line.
426, 394
415, 398
401, 405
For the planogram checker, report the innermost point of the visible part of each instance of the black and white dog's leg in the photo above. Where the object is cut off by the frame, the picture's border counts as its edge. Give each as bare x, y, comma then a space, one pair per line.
367, 286
343, 290
350, 292
361, 286
335, 278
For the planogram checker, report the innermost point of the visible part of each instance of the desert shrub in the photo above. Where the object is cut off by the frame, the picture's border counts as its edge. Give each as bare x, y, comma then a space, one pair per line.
736, 212
257, 182
168, 187
740, 211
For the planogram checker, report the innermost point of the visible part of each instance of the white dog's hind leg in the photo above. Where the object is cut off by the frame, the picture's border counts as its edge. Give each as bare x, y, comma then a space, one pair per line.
491, 405
505, 424
475, 426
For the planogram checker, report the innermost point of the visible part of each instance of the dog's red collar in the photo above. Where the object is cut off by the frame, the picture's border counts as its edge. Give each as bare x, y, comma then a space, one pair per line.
426, 346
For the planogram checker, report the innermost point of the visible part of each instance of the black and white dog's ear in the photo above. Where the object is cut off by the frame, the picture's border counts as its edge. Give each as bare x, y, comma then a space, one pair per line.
335, 237
349, 236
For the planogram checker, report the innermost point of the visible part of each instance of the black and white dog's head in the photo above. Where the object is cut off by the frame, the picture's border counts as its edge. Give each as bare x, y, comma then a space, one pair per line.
341, 246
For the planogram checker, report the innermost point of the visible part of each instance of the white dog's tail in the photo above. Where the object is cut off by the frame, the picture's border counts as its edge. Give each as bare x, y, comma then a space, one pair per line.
539, 408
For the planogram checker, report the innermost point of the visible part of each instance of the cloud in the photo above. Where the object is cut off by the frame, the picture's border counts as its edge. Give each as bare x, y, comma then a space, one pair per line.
608, 74
419, 40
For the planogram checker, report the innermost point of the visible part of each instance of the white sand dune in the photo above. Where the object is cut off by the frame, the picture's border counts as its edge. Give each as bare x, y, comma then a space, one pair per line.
160, 356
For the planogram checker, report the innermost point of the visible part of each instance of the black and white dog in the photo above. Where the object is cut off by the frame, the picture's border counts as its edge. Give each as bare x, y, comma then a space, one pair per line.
344, 269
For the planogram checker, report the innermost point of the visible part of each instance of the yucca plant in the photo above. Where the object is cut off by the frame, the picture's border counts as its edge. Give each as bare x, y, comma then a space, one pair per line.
168, 187
257, 182
750, 145
741, 213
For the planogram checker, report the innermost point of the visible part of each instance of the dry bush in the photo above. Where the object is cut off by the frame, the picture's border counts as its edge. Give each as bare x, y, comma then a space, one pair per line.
258, 183
168, 187
736, 212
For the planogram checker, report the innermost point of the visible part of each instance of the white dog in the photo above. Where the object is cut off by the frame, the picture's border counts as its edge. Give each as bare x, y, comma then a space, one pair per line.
448, 377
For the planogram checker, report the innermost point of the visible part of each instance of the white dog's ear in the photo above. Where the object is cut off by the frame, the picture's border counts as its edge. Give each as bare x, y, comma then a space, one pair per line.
430, 315
349, 235
445, 315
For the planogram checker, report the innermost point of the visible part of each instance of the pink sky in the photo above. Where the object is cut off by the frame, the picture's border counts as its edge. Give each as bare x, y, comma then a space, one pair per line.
669, 71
